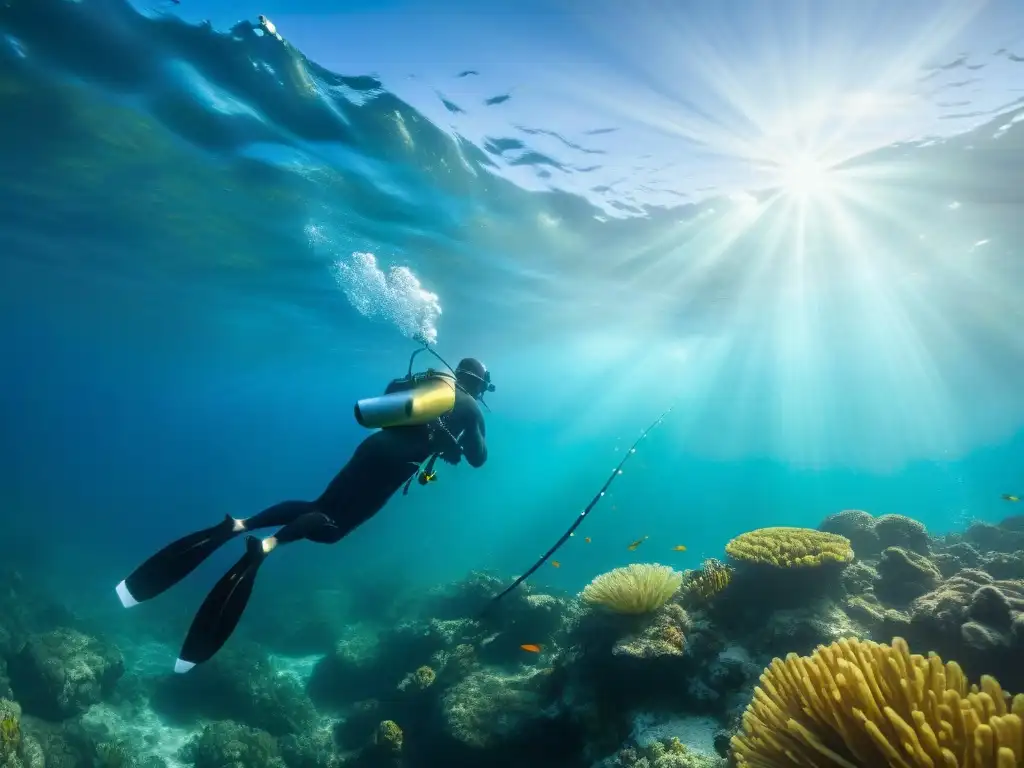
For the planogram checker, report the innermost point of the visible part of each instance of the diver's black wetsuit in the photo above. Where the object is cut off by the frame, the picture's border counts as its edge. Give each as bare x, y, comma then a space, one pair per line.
382, 464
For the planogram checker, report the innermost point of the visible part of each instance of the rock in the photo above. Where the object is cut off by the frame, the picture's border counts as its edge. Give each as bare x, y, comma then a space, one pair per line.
723, 742
1017, 631
240, 684
883, 622
901, 531
489, 707
226, 744
858, 578
990, 606
1004, 565
981, 637
352, 672
858, 527
467, 597
976, 620
5, 682
1014, 524
663, 634
61, 673
994, 538
904, 575
964, 553
800, 630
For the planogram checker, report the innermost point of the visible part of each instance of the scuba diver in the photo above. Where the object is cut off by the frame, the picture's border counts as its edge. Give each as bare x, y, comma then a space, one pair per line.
422, 417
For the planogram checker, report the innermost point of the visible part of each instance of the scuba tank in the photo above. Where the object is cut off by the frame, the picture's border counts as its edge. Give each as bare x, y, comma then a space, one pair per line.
416, 398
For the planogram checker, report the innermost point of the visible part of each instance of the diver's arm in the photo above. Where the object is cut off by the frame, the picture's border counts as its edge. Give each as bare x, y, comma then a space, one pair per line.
474, 448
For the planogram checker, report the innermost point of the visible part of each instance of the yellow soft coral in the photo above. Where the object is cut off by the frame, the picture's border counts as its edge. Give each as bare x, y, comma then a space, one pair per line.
703, 584
425, 676
10, 727
858, 704
790, 547
389, 736
635, 589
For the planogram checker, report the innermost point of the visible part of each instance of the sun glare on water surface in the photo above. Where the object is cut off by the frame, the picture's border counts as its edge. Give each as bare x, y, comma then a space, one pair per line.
805, 177
846, 291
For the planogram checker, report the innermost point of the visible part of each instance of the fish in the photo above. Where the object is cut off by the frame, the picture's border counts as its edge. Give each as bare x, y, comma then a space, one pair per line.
428, 477
556, 564
679, 548
632, 547
531, 647
1010, 497
587, 539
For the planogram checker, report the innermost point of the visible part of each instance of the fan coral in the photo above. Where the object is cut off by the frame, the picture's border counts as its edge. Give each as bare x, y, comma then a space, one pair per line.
859, 704
790, 547
636, 589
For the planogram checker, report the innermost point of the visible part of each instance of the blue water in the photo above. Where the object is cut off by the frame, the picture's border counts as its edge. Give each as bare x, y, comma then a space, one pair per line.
613, 210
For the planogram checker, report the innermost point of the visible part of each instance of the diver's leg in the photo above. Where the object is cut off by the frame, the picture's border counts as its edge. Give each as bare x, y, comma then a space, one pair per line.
219, 614
179, 558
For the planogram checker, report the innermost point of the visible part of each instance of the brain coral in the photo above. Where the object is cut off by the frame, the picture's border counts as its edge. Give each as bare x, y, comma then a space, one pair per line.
859, 704
635, 589
790, 547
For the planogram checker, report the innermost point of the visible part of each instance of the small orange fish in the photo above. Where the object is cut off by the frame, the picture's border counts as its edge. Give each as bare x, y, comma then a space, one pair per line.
556, 564
530, 647
632, 547
587, 539
679, 548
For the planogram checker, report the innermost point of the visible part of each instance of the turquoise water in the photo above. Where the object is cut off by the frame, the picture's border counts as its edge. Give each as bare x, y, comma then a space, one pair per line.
834, 312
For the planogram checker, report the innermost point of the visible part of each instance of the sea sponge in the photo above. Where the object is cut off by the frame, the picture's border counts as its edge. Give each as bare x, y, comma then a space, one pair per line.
859, 704
790, 547
636, 589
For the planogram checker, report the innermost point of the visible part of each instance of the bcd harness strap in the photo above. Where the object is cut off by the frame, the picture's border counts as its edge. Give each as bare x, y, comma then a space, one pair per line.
425, 472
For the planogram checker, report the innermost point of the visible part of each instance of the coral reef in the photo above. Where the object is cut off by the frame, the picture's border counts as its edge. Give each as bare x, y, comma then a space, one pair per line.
904, 575
226, 744
240, 684
487, 706
789, 548
859, 703
646, 667
780, 568
870, 535
61, 673
702, 585
635, 589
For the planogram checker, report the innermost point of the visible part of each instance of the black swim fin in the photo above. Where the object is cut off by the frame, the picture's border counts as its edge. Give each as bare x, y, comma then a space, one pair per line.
174, 562
223, 607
